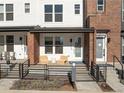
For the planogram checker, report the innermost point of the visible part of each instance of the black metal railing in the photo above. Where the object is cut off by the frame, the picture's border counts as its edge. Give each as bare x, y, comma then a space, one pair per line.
23, 69
115, 59
7, 69
98, 72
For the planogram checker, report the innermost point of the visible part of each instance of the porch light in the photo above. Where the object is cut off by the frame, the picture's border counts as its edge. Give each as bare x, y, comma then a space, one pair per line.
108, 39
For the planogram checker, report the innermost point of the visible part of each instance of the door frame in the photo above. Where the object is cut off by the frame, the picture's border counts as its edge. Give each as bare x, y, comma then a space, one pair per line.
104, 59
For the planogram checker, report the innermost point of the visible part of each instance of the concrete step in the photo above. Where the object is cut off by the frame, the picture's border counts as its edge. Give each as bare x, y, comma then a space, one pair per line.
114, 81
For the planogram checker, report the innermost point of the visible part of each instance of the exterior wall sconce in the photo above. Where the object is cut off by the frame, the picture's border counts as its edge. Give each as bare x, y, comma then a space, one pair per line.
20, 38
108, 39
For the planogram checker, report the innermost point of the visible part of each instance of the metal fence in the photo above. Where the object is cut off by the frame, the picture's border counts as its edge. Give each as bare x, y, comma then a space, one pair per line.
99, 72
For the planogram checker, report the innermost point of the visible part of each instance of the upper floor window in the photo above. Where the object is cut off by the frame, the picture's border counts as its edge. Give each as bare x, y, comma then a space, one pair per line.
77, 8
56, 15
27, 7
48, 13
100, 5
9, 12
1, 12
122, 10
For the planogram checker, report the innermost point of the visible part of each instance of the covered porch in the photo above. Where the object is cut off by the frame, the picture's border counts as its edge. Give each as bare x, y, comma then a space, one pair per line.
61, 45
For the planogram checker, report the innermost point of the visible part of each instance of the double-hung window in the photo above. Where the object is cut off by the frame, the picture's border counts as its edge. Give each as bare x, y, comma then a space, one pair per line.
100, 5
58, 45
1, 12
58, 13
27, 7
48, 45
9, 12
123, 10
53, 13
77, 8
48, 13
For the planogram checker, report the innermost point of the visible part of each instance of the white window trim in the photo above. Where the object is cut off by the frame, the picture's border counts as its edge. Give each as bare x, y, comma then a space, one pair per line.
101, 11
5, 13
29, 7
79, 9
53, 13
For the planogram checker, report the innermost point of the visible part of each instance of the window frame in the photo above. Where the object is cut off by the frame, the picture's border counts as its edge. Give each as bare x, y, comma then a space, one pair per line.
48, 45
101, 5
9, 12
48, 13
58, 13
2, 12
27, 7
77, 7
59, 45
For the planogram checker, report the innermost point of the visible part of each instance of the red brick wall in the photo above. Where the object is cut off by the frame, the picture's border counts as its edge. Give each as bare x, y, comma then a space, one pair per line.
33, 47
109, 19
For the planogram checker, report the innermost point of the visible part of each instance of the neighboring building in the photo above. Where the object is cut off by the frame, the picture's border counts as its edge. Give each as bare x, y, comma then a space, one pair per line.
83, 30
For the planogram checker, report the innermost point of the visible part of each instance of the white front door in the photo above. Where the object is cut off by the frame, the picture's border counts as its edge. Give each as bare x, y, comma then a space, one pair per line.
101, 48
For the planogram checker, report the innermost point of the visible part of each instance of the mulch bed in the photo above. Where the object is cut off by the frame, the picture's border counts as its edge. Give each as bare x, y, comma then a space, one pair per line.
105, 87
54, 84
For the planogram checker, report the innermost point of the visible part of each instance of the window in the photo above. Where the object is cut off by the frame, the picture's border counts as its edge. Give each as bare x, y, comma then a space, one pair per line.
10, 43
58, 13
58, 45
27, 7
77, 8
1, 43
78, 47
123, 10
48, 45
100, 5
9, 12
1, 12
48, 13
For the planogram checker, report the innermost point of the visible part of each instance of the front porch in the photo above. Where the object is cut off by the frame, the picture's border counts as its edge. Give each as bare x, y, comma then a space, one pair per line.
62, 46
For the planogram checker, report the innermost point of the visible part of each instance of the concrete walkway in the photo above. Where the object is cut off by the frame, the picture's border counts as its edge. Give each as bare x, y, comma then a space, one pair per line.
90, 86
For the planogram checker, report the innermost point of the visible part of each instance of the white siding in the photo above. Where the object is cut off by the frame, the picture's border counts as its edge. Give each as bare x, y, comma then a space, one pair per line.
36, 15
68, 48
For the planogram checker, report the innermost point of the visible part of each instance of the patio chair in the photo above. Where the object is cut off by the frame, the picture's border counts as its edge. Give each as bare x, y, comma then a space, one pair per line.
44, 60
63, 60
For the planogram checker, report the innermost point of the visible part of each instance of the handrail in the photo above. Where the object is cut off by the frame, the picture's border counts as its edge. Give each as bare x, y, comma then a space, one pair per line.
122, 67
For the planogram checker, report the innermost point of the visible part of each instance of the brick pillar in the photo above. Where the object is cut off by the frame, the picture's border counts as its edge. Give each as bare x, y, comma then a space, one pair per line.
89, 48
33, 47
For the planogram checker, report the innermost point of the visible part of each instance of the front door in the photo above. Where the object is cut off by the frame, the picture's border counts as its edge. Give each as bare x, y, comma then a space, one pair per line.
101, 48
10, 43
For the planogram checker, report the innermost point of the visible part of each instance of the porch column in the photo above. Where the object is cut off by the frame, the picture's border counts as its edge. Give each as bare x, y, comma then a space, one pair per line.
33, 47
90, 47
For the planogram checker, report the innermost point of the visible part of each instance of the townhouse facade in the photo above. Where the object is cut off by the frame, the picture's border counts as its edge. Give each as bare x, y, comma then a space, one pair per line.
82, 30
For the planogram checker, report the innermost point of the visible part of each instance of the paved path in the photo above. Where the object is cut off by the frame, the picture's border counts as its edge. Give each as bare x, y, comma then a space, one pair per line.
88, 86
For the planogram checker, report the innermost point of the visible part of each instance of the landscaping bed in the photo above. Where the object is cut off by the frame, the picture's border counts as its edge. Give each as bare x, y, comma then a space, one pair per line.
54, 84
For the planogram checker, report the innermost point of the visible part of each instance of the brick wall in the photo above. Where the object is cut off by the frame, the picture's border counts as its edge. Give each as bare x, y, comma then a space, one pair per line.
33, 47
109, 19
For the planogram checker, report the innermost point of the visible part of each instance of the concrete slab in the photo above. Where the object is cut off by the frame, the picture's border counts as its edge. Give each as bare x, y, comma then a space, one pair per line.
88, 86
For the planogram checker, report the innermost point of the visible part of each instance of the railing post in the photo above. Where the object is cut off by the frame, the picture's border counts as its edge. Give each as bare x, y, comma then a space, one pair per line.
21, 71
97, 73
73, 75
113, 62
92, 69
